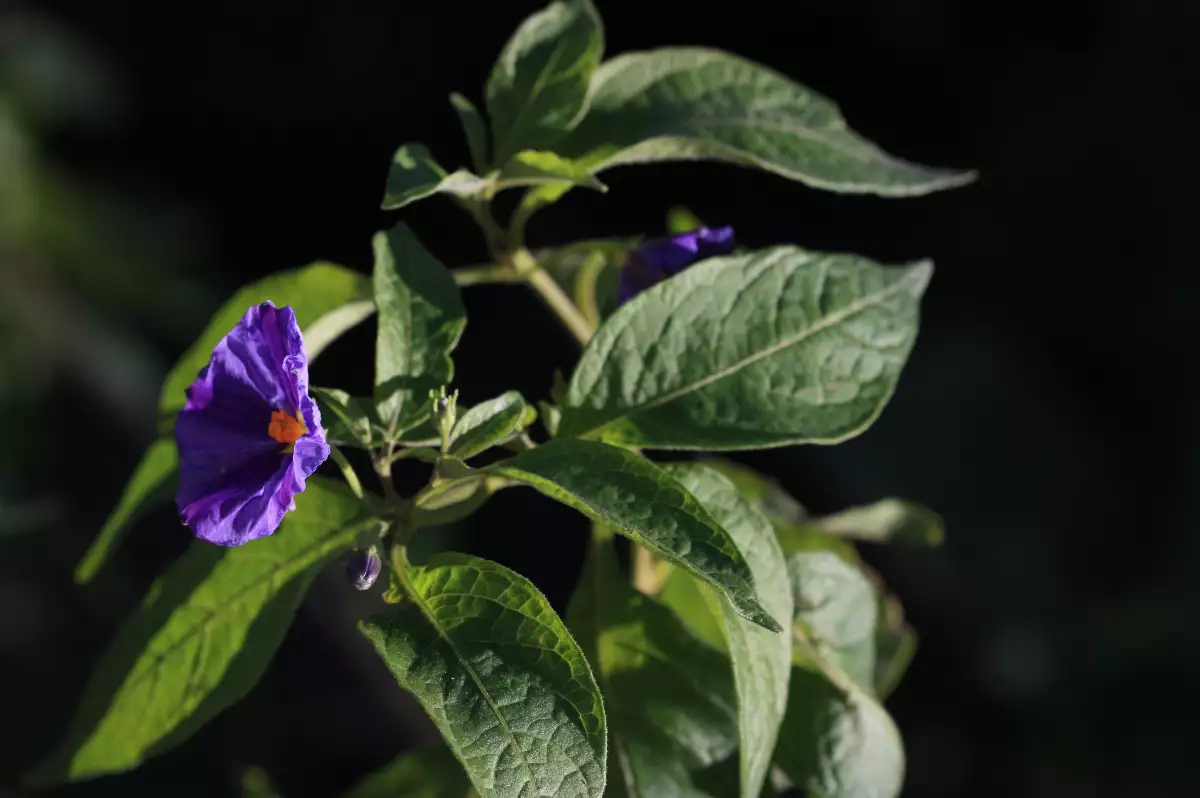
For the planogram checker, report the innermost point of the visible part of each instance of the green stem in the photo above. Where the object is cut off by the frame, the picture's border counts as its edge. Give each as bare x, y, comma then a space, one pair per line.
493, 235
383, 468
482, 275
553, 297
347, 471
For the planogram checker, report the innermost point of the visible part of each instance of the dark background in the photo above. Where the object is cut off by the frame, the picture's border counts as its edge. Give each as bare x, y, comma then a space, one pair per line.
172, 152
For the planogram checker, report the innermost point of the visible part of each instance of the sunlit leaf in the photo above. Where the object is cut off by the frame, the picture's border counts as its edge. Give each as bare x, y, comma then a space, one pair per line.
499, 674
770, 348
201, 639
421, 318
539, 84
691, 103
414, 175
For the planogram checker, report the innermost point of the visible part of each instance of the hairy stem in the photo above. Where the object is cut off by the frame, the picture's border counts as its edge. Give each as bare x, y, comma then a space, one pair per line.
347, 471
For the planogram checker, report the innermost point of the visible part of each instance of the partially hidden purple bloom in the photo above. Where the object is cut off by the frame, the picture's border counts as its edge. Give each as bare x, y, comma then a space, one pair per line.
249, 434
655, 261
363, 568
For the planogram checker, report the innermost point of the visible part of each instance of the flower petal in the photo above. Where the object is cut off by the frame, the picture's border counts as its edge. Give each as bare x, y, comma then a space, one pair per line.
262, 356
250, 506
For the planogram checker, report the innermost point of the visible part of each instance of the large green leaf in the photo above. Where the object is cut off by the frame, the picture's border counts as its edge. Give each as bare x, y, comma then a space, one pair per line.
421, 318
496, 669
414, 175
627, 492
690, 103
539, 84
313, 292
761, 660
151, 481
490, 423
328, 300
837, 740
771, 348
201, 639
429, 772
668, 697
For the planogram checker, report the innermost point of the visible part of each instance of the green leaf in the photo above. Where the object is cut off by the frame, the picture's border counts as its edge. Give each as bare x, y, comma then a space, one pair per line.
761, 660
421, 318
539, 84
474, 128
771, 348
489, 424
895, 646
315, 292
838, 743
668, 697
836, 739
328, 300
349, 420
836, 608
904, 521
691, 103
202, 638
453, 505
151, 482
496, 669
414, 175
428, 772
537, 167
627, 492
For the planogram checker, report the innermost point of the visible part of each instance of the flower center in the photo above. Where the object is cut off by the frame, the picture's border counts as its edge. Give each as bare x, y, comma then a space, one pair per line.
285, 427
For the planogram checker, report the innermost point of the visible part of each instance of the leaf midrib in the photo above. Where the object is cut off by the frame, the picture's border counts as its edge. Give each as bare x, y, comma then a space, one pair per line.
539, 85
825, 323
616, 523
419, 601
202, 626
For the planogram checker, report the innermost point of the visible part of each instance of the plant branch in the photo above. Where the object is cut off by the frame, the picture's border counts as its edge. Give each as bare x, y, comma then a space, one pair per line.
347, 471
554, 297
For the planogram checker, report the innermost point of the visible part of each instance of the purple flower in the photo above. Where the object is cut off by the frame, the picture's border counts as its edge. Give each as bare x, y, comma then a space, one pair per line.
249, 434
655, 261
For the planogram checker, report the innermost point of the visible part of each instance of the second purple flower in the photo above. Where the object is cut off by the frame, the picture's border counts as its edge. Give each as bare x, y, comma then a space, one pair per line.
656, 260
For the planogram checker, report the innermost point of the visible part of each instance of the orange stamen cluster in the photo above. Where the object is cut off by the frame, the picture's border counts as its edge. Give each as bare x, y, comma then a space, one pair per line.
285, 427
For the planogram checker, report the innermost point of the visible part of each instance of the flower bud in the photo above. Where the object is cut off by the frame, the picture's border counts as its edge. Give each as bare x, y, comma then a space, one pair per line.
363, 568
445, 413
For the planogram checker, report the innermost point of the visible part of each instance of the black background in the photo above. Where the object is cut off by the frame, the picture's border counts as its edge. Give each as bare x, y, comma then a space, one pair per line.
1048, 410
